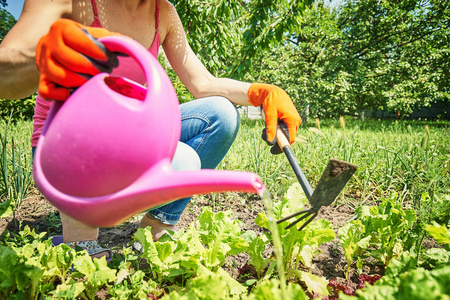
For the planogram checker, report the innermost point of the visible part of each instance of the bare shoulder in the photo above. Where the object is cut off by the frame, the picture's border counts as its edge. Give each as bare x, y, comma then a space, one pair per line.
35, 21
166, 6
169, 19
46, 7
37, 13
168, 14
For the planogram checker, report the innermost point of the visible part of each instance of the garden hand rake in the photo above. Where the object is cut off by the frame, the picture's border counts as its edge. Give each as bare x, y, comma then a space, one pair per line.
331, 183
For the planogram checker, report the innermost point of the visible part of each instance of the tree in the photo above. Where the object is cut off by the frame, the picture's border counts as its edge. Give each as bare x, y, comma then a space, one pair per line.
310, 65
212, 28
366, 55
266, 26
229, 35
7, 21
3, 3
401, 48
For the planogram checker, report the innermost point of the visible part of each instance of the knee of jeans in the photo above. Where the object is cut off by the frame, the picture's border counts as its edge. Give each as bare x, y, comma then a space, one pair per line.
226, 115
185, 158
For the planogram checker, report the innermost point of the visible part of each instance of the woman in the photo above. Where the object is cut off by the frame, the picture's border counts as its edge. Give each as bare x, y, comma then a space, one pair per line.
67, 53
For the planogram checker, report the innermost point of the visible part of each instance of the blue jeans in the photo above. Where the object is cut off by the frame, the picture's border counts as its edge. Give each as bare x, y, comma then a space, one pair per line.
209, 127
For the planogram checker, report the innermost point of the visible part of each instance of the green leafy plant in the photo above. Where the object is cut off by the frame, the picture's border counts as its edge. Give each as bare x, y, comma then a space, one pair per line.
299, 247
256, 246
270, 289
21, 269
205, 245
95, 273
436, 257
170, 259
440, 233
20, 109
390, 227
209, 285
130, 283
383, 232
403, 280
221, 234
354, 241
30, 267
17, 275
53, 222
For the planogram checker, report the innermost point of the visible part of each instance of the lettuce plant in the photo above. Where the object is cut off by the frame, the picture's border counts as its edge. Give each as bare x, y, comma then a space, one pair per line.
205, 245
299, 247
387, 230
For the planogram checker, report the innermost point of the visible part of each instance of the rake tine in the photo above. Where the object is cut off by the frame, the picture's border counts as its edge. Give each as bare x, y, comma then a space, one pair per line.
298, 220
305, 211
309, 221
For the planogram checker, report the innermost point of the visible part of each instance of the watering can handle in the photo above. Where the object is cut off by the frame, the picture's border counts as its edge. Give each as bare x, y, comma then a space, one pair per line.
146, 61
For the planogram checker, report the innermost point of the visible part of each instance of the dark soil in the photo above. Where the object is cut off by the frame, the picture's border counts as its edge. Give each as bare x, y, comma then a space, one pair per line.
38, 213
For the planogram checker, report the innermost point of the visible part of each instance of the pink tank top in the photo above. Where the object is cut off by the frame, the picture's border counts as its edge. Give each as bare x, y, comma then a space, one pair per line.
127, 68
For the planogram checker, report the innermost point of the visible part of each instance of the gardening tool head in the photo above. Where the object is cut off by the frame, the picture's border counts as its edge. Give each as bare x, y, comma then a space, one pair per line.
331, 183
105, 154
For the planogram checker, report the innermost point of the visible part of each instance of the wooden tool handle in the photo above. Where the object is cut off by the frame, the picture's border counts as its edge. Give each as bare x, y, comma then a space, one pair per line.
282, 139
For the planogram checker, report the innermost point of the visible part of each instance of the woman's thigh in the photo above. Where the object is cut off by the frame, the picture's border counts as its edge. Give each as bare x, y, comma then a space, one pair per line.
209, 125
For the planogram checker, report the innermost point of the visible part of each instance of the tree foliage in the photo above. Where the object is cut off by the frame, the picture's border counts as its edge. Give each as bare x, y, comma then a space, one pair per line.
363, 55
400, 48
230, 34
7, 21
212, 29
266, 27
310, 65
366, 55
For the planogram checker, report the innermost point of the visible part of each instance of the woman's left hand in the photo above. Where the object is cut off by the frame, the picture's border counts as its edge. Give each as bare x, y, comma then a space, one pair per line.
278, 107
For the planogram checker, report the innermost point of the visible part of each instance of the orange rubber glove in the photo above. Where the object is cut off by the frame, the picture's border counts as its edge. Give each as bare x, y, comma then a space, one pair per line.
278, 109
68, 55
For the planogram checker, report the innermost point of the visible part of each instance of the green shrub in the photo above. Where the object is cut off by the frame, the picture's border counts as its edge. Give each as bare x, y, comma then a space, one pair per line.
18, 109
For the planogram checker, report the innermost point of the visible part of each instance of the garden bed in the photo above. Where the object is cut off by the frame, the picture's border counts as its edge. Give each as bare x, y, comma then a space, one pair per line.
39, 214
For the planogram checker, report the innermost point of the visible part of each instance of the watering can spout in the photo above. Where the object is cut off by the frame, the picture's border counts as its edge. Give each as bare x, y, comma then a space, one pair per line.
188, 183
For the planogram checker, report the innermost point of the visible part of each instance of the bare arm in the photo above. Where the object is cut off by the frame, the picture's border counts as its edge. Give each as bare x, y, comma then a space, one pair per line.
19, 76
197, 79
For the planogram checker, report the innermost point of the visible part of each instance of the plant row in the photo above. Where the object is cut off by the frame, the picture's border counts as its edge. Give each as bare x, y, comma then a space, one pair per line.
192, 263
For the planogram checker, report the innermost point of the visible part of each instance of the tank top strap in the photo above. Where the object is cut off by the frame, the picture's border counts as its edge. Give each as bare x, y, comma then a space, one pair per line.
96, 22
154, 48
157, 14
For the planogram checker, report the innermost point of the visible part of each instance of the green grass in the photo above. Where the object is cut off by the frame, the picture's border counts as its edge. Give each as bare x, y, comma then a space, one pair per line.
410, 158
15, 165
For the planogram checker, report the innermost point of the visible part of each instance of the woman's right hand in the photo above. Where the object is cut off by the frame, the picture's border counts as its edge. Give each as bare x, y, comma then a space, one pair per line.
68, 55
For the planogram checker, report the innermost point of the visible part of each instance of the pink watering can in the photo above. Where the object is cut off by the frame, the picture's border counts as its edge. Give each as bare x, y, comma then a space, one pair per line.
105, 154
